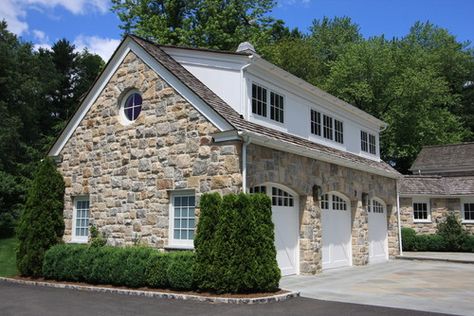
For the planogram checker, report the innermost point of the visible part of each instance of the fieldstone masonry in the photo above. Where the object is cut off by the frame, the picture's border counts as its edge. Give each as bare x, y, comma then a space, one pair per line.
440, 208
128, 170
301, 174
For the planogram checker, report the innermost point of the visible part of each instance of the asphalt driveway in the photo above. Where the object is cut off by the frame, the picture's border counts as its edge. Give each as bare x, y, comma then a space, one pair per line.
418, 285
24, 300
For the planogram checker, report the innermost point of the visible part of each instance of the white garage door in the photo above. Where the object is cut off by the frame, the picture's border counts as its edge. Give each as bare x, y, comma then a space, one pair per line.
336, 231
378, 244
285, 218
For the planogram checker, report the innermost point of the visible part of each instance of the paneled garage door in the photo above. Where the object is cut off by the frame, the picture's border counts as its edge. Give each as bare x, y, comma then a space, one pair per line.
336, 231
378, 244
286, 219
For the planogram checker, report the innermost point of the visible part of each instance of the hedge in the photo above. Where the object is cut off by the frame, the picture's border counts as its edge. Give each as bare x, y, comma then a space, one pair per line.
235, 249
131, 266
411, 241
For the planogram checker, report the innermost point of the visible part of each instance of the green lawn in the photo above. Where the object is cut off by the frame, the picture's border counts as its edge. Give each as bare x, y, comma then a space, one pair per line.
7, 257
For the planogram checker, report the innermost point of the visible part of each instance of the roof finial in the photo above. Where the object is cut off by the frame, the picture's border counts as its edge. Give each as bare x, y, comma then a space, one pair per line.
246, 47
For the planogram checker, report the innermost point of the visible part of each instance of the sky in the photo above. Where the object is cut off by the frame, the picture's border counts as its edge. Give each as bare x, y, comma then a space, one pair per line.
90, 23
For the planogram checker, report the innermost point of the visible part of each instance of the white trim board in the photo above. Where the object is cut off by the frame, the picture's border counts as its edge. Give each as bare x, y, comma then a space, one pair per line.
125, 47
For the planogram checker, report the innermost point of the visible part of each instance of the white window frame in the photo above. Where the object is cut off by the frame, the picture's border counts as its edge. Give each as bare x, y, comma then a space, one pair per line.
367, 143
180, 243
425, 200
123, 118
268, 106
331, 202
265, 109
74, 237
322, 127
468, 200
280, 109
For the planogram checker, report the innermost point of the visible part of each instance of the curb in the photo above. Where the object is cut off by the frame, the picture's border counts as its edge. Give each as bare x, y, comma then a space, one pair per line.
435, 259
156, 294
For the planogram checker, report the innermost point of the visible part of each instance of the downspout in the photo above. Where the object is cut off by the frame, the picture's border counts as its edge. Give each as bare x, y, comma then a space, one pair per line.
245, 143
398, 220
243, 89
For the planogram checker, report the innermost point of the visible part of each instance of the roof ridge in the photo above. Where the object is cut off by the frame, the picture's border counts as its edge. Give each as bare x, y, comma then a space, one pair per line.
446, 145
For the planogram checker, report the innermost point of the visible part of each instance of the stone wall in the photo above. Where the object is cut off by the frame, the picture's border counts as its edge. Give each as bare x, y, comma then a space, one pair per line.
440, 208
128, 170
301, 174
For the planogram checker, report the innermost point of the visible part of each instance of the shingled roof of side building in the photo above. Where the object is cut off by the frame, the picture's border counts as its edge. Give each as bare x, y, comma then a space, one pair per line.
452, 159
239, 123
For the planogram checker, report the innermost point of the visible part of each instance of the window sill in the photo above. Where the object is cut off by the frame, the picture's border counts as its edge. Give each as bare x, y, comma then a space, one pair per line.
467, 222
78, 241
426, 221
179, 247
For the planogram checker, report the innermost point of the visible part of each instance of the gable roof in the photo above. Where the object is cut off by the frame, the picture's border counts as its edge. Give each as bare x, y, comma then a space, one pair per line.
437, 185
444, 158
238, 123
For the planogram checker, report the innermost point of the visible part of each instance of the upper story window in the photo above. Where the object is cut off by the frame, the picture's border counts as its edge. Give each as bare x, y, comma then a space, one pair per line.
315, 123
327, 127
259, 100
132, 106
276, 107
338, 131
368, 142
332, 129
260, 95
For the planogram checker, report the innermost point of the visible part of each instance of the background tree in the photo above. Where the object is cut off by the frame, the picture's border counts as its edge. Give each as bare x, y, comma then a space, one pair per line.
41, 224
39, 91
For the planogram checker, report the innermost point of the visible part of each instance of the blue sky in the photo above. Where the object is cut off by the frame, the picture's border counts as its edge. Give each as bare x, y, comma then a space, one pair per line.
89, 23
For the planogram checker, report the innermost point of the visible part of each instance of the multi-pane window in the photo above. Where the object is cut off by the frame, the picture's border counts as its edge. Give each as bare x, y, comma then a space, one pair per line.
327, 127
276, 107
258, 189
81, 219
132, 106
315, 123
364, 143
368, 142
259, 100
376, 207
281, 197
333, 202
468, 211
183, 224
372, 144
420, 211
338, 131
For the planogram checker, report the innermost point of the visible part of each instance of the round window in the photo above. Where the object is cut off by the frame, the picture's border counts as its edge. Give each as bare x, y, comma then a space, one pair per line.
132, 106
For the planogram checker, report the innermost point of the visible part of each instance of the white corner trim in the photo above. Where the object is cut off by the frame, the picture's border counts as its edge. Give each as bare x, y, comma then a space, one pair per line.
122, 51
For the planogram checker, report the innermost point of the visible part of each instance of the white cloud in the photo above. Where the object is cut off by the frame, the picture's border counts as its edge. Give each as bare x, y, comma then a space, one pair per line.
14, 11
40, 35
102, 46
44, 46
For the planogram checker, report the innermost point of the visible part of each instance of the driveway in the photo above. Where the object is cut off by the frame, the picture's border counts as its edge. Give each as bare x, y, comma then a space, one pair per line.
418, 285
24, 300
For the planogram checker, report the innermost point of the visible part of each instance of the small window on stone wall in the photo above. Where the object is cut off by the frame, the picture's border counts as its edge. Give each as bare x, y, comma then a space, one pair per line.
131, 106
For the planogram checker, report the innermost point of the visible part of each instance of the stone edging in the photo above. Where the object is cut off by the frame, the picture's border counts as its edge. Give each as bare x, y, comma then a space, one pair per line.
156, 294
435, 259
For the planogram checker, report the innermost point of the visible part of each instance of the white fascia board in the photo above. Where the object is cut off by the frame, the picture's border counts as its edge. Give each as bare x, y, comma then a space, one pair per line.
266, 141
207, 59
127, 46
300, 83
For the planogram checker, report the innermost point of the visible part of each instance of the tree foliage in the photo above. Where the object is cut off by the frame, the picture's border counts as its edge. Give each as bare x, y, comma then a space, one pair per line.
39, 91
41, 223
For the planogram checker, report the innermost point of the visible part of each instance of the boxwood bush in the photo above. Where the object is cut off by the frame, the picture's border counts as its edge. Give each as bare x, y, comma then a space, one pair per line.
131, 266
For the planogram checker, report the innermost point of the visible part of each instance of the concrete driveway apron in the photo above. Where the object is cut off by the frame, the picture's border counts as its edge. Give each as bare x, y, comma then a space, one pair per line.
420, 285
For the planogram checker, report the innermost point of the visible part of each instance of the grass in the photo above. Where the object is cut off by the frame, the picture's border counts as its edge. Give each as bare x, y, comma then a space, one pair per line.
8, 257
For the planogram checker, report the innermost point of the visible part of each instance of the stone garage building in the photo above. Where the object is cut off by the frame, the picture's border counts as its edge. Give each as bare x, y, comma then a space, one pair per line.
162, 125
442, 183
